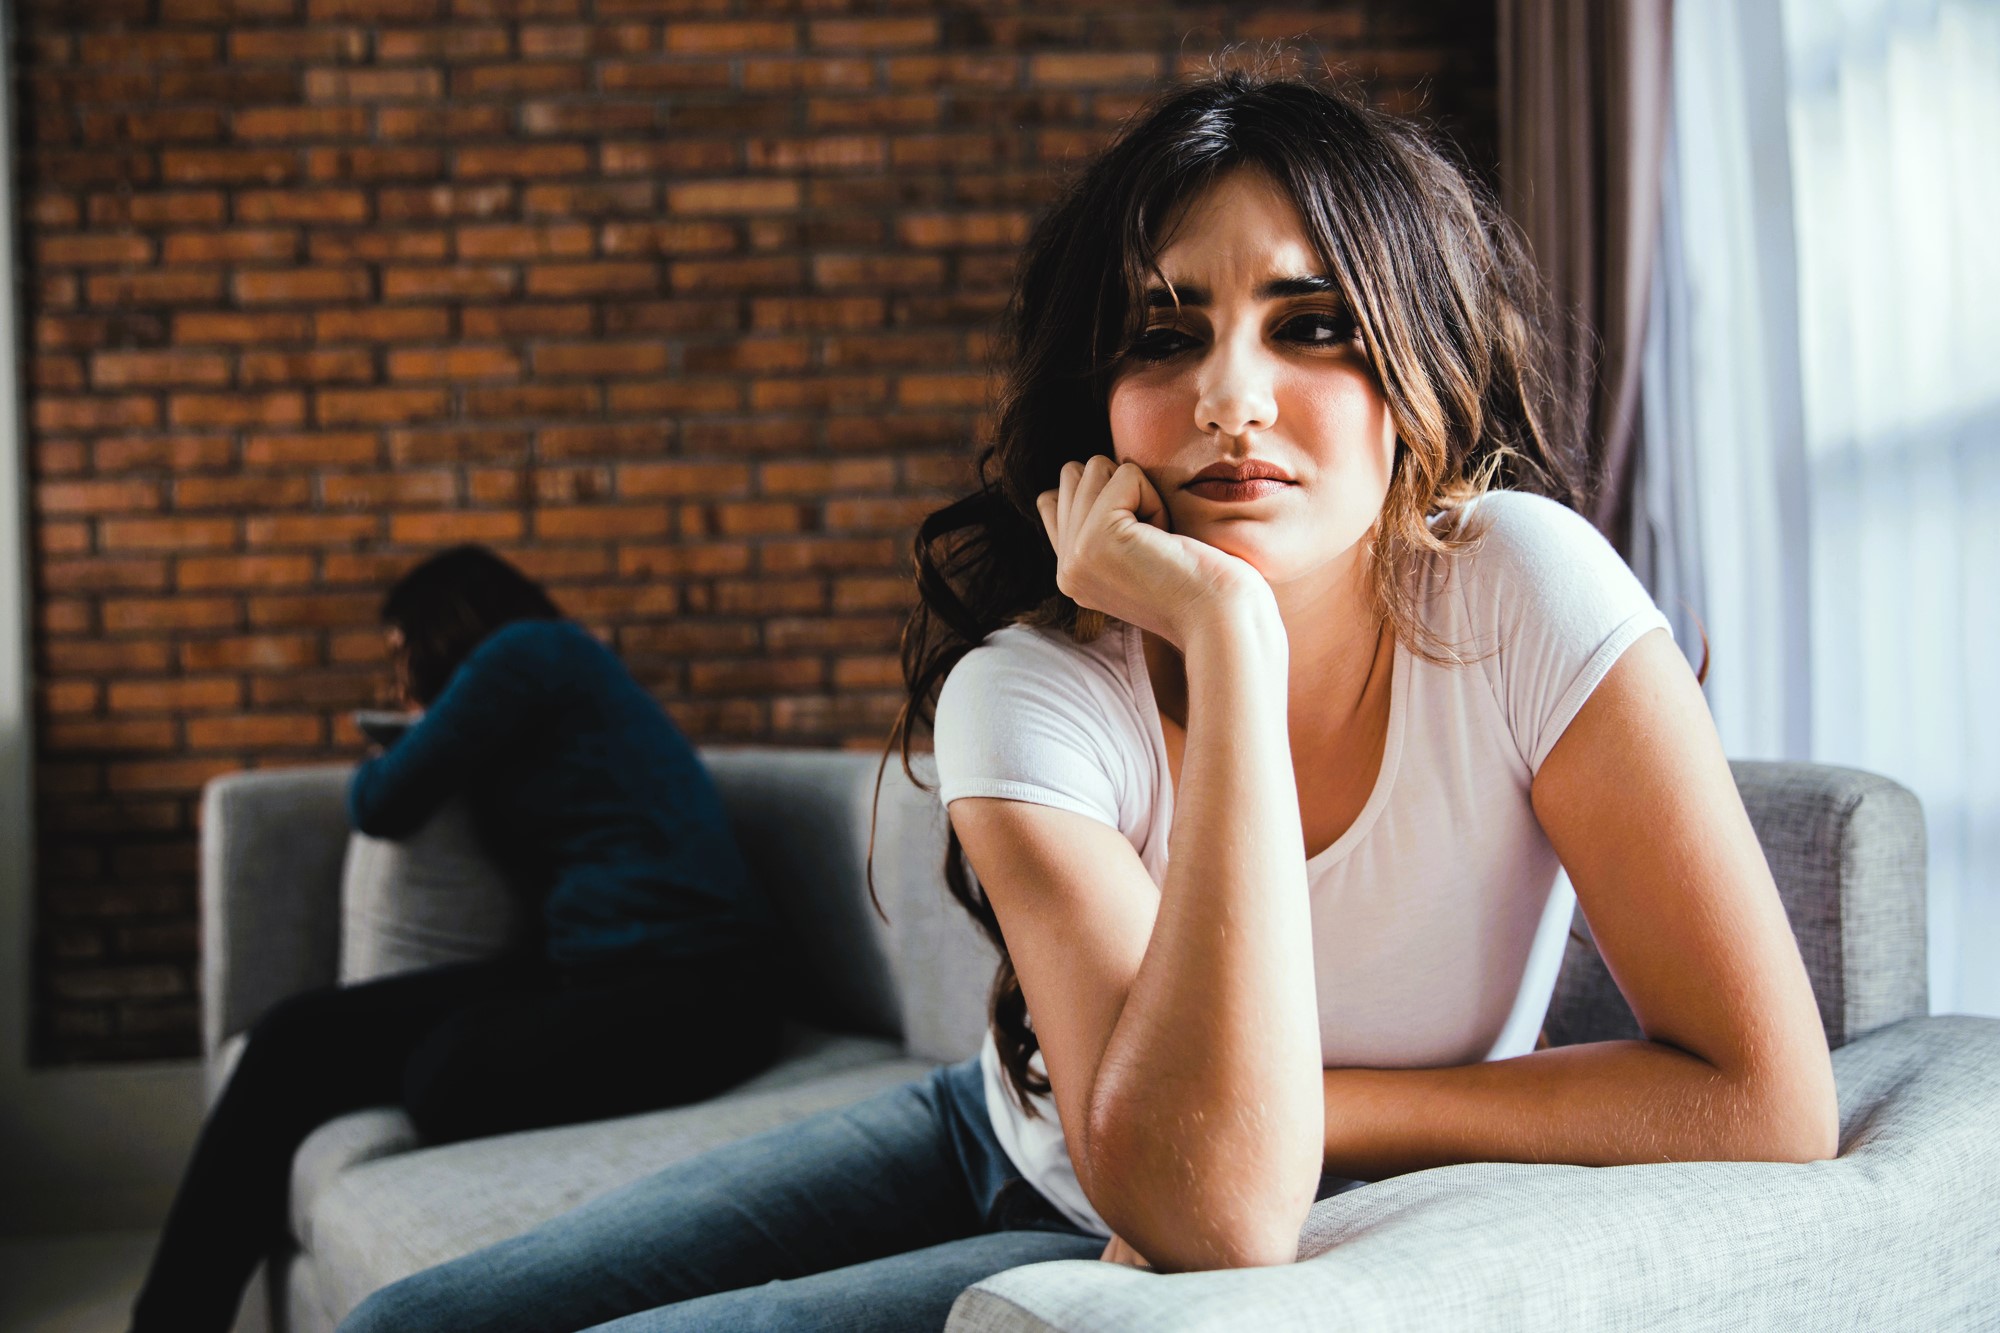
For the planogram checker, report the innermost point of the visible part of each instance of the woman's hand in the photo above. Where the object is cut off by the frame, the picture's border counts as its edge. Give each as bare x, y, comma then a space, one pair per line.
1114, 554
1118, 1252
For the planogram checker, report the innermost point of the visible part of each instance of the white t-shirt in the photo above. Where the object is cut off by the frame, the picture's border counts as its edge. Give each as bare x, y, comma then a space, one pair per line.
1439, 916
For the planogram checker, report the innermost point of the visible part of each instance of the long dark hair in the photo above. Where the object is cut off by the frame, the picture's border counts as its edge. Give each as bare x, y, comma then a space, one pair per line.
1449, 312
448, 604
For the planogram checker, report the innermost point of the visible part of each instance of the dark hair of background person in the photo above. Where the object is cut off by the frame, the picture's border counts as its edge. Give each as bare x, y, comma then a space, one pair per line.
1449, 313
448, 604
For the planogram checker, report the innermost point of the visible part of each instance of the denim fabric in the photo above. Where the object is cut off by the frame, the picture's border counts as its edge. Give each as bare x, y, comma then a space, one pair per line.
874, 1216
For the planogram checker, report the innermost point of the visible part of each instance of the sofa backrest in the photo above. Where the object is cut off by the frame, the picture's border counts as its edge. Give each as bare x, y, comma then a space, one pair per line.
1847, 851
919, 969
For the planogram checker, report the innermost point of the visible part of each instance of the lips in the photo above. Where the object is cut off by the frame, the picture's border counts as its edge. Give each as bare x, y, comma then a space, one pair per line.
1251, 479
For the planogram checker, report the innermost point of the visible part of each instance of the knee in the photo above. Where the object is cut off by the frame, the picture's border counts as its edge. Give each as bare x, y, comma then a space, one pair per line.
289, 1030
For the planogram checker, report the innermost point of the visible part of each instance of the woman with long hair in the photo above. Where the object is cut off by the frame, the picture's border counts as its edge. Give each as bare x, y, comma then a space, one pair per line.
1273, 678
637, 911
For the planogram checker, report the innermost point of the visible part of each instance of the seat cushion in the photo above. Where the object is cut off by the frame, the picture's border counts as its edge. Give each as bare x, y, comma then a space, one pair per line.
383, 1218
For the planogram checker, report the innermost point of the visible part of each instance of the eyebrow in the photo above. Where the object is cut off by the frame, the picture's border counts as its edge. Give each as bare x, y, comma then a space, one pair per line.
1277, 289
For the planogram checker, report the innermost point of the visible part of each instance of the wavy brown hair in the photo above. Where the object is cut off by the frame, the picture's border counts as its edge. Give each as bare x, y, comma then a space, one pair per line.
1449, 314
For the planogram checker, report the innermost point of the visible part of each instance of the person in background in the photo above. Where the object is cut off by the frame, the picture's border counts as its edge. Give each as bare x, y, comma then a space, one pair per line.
642, 913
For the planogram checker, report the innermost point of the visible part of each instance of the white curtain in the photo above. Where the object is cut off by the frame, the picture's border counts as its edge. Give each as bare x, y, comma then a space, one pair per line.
1821, 480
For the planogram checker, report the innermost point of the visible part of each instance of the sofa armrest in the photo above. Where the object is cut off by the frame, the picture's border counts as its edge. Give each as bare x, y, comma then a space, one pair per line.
1897, 1233
272, 845
1846, 849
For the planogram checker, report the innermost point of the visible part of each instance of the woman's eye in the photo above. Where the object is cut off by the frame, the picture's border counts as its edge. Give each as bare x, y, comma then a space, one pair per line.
1159, 344
1318, 330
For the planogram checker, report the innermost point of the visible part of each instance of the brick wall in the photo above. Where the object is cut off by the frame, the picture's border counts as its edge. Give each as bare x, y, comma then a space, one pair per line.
683, 304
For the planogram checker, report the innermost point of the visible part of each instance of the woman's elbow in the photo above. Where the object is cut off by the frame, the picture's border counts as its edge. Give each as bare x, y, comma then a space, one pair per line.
1182, 1225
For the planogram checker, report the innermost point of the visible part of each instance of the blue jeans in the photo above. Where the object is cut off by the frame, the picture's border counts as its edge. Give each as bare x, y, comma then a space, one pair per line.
875, 1216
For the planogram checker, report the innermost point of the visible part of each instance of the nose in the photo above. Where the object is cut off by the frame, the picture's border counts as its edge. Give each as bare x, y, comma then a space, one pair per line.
1236, 392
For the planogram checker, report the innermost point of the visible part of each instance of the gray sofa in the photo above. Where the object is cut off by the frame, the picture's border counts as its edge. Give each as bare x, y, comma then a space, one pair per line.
1901, 1232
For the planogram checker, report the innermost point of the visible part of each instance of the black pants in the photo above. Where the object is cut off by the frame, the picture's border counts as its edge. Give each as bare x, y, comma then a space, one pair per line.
469, 1050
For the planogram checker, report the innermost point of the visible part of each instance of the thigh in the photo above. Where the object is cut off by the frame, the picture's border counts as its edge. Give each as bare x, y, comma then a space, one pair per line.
840, 1188
594, 1044
349, 1043
904, 1293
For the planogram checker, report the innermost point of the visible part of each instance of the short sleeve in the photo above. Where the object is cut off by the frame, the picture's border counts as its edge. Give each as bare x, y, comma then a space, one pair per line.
1025, 719
1559, 605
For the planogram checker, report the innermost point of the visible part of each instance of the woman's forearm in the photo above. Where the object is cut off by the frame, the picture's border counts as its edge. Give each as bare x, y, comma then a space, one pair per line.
1604, 1104
1204, 1134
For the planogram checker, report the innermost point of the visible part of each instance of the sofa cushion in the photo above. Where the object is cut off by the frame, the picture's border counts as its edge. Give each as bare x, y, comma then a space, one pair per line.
384, 1219
431, 898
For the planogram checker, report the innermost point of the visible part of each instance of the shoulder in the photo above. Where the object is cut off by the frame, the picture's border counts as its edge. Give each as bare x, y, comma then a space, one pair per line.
539, 651
1037, 662
1523, 552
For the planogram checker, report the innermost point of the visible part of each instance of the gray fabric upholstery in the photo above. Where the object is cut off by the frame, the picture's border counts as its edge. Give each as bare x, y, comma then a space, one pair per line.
1847, 851
389, 1218
942, 962
431, 898
801, 817
272, 843
1896, 1234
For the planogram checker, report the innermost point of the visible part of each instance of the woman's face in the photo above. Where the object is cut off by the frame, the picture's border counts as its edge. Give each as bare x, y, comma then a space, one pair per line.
1259, 370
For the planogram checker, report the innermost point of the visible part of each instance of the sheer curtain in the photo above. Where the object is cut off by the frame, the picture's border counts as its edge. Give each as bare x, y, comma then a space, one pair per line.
1822, 475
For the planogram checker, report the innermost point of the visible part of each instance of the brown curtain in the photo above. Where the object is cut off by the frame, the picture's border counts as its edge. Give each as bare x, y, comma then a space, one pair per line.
1585, 96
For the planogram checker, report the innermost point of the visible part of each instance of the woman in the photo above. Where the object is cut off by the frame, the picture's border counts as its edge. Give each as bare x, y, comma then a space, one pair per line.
641, 912
1230, 592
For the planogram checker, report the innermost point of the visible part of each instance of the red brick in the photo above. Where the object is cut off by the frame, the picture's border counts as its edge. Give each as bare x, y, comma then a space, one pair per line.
174, 695
755, 675
333, 367
353, 407
167, 775
319, 609
734, 196
96, 497
124, 614
319, 206
250, 492
250, 652
623, 278
874, 34
103, 574
548, 241
603, 522
516, 160
228, 326
325, 448
455, 364
309, 529
818, 74
820, 478
818, 312
300, 285
680, 480
828, 553
244, 571
92, 251
455, 526
600, 359
376, 324
167, 534
682, 559
257, 731
728, 38
129, 370
388, 489
63, 735
300, 122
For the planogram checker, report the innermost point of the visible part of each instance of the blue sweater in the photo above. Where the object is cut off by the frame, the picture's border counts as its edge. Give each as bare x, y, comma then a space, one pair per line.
585, 789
